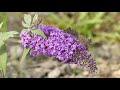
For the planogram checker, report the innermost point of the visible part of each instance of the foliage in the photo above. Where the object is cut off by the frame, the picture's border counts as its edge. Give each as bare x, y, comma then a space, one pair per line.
88, 24
31, 23
83, 22
3, 53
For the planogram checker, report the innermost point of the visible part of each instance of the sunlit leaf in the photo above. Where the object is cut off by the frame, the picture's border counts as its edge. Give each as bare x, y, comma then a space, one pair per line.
25, 25
25, 52
27, 19
5, 35
38, 32
1, 24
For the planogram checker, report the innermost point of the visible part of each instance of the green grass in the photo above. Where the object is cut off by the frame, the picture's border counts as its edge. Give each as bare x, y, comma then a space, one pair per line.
83, 22
96, 25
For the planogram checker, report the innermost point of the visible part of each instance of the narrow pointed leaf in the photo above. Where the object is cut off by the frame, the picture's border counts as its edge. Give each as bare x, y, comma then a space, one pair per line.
1, 24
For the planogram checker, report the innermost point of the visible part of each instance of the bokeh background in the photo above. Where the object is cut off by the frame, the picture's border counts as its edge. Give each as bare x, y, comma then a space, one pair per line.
102, 27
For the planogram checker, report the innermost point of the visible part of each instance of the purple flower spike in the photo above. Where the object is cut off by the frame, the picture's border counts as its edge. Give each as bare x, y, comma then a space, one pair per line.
60, 44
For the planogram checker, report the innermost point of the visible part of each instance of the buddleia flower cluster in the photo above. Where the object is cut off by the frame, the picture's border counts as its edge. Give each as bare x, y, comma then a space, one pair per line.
60, 44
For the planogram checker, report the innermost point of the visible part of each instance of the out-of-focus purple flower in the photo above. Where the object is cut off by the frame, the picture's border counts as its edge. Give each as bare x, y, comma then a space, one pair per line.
60, 44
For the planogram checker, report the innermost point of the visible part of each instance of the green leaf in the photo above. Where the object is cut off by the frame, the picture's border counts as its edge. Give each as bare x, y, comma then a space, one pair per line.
38, 32
25, 25
3, 59
27, 19
1, 24
25, 52
1, 43
35, 17
6, 35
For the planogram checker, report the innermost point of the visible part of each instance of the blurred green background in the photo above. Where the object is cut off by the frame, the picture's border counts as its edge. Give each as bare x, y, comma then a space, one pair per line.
3, 18
103, 28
